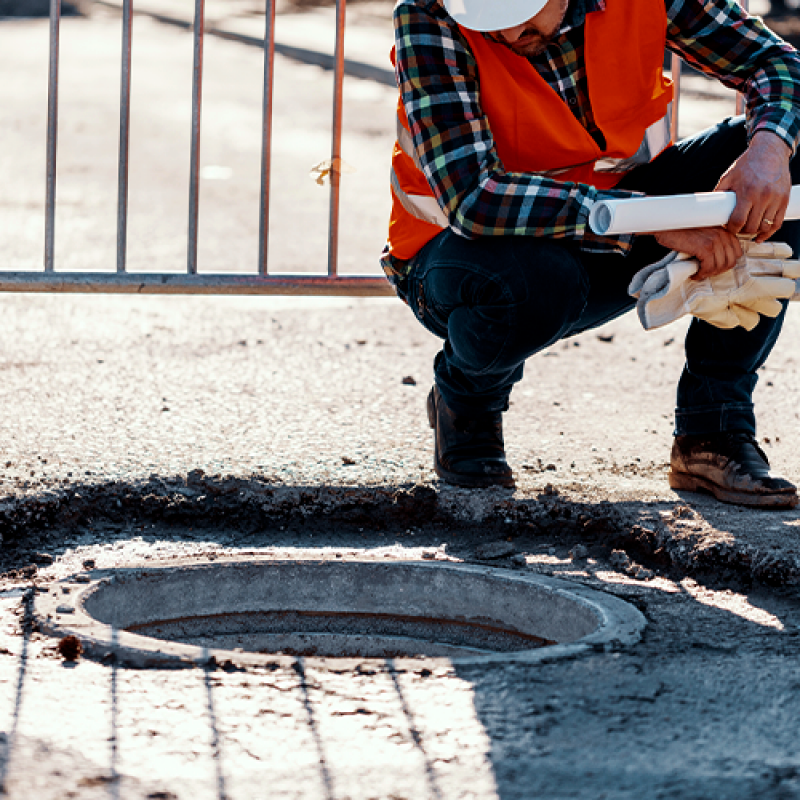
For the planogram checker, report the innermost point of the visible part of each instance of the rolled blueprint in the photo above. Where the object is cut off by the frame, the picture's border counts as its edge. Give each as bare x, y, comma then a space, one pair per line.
652, 214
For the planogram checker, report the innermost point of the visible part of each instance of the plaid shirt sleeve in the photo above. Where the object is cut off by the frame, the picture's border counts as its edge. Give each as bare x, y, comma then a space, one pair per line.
438, 80
721, 39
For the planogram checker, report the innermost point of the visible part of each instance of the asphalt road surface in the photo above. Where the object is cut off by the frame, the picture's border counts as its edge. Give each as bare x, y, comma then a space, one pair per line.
140, 428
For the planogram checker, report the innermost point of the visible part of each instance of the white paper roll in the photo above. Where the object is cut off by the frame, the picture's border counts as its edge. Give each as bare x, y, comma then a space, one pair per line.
676, 212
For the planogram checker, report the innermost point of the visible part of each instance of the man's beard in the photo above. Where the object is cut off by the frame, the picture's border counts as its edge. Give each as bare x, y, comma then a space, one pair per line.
532, 42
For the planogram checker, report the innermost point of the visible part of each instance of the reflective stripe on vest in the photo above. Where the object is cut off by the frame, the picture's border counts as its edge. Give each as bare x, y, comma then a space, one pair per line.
418, 205
657, 138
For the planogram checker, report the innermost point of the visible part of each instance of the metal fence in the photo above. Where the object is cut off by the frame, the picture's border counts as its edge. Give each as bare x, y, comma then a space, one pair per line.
191, 282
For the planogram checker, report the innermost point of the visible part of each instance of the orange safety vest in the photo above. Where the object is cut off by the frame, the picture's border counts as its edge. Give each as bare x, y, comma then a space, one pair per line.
535, 132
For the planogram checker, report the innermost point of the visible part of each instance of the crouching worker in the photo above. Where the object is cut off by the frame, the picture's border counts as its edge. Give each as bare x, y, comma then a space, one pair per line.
515, 117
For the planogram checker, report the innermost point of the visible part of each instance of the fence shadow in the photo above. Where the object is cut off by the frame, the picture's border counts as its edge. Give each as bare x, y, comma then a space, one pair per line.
517, 709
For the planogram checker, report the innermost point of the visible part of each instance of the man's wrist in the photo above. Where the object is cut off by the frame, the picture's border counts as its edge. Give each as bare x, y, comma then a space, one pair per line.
769, 140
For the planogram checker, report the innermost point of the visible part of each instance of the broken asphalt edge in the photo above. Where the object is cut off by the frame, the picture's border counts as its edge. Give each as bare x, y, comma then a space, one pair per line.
652, 534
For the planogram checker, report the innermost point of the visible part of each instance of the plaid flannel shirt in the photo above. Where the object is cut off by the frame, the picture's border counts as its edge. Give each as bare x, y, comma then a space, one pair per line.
438, 79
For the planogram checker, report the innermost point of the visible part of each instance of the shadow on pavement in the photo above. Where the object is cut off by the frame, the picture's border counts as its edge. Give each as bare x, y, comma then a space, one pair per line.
644, 721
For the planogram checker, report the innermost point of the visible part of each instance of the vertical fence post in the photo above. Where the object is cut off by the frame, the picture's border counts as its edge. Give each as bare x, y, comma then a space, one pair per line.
676, 100
197, 101
266, 140
336, 146
124, 137
52, 136
739, 96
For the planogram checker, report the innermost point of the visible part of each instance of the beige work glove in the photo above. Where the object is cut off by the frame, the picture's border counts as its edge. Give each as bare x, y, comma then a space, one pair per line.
762, 276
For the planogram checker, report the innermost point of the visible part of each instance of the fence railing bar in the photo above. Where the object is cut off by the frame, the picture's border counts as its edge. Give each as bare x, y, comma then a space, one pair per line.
336, 144
745, 4
207, 283
197, 101
52, 136
675, 68
266, 141
124, 137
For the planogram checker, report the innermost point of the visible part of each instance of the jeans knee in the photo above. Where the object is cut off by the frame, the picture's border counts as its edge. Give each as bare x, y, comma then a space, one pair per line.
556, 289
519, 309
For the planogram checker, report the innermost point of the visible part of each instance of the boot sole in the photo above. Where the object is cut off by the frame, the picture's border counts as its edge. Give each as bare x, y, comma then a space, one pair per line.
694, 483
453, 477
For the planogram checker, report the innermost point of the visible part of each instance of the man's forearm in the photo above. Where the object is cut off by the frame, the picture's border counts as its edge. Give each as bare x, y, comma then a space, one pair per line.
720, 39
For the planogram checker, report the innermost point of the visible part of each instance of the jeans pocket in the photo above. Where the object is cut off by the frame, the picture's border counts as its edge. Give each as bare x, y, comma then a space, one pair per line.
423, 309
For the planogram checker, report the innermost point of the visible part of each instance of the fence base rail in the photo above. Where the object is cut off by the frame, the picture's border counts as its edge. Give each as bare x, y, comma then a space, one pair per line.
182, 283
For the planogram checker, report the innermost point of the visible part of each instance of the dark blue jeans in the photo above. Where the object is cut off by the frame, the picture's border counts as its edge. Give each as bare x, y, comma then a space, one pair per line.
496, 301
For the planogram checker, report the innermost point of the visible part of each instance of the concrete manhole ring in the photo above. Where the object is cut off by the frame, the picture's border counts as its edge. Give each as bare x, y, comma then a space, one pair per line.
254, 610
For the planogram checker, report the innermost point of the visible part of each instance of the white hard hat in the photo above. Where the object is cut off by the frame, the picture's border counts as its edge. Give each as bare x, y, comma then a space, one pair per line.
492, 15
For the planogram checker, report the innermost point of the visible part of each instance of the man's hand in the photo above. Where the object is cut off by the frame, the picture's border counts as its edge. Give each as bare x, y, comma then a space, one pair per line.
762, 183
716, 249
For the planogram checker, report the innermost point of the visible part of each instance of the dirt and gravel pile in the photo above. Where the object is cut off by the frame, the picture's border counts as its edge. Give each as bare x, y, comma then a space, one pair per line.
638, 541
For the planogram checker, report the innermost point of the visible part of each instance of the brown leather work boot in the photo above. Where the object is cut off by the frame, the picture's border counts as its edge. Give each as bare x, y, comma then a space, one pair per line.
732, 467
468, 451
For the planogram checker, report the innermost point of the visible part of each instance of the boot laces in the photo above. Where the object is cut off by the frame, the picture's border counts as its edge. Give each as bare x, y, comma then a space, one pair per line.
738, 439
488, 428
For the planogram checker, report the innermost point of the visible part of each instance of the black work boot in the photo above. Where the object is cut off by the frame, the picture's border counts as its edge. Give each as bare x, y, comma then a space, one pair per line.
732, 467
468, 451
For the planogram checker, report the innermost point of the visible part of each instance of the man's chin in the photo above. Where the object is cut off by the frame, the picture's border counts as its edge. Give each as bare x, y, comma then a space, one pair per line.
530, 50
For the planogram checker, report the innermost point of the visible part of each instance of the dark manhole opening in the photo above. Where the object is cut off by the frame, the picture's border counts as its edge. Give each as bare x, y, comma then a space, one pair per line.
344, 635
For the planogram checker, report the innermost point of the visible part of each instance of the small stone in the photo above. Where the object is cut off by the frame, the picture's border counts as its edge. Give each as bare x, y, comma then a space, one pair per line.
70, 648
578, 552
519, 560
492, 550
347, 461
429, 555
89, 563
65, 610
643, 574
43, 559
409, 381
620, 559
82, 579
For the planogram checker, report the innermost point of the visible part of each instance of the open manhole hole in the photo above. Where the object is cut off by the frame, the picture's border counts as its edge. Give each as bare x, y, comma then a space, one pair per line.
255, 609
